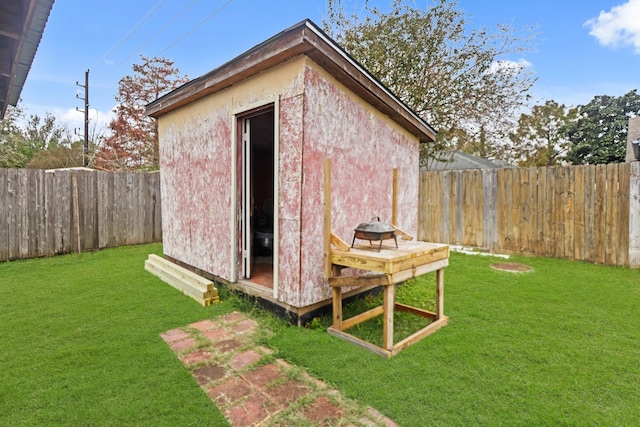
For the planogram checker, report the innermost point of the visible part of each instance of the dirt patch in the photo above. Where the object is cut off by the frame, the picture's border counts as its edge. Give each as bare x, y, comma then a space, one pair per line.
512, 267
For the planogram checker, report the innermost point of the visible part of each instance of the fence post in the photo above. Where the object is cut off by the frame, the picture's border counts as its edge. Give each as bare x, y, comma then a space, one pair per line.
634, 215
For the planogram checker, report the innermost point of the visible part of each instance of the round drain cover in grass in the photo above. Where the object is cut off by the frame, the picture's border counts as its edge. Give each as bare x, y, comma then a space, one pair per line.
512, 267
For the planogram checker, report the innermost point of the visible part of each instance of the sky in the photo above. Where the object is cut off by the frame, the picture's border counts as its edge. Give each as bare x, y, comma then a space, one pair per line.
583, 48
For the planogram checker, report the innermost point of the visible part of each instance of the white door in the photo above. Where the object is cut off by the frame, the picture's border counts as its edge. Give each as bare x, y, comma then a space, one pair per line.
247, 205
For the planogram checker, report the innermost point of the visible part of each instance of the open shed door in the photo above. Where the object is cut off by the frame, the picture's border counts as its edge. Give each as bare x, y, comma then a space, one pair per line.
247, 205
256, 181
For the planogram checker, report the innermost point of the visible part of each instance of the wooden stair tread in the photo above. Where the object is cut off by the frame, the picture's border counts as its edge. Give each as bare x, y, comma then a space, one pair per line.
200, 289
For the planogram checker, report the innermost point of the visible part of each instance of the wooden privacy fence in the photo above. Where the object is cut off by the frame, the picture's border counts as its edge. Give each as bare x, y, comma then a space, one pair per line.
45, 213
588, 213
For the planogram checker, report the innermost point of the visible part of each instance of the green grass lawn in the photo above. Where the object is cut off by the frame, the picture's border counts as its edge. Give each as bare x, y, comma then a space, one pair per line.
80, 345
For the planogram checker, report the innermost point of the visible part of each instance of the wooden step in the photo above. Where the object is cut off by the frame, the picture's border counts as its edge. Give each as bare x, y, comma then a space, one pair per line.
189, 283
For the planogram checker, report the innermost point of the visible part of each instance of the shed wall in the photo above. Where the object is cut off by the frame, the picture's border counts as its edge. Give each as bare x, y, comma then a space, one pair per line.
364, 146
197, 164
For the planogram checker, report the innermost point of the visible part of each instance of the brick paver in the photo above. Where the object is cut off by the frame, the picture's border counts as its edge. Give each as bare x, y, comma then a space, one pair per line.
242, 360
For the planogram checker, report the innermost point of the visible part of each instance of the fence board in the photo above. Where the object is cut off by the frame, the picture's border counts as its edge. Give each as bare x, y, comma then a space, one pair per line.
441, 208
489, 208
611, 215
547, 205
569, 212
23, 214
589, 212
39, 213
13, 207
478, 210
578, 212
130, 214
49, 215
622, 202
514, 212
119, 209
31, 205
423, 183
500, 208
87, 208
634, 214
103, 212
465, 214
600, 212
559, 197
4, 215
435, 214
458, 212
532, 194
446, 207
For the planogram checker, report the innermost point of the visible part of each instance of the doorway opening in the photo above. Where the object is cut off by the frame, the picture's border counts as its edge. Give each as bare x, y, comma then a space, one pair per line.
257, 193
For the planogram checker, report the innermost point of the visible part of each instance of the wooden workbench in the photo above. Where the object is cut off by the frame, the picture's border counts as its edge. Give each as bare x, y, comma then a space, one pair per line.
387, 268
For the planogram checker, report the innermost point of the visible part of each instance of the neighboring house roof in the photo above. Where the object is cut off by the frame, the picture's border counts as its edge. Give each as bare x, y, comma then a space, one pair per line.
304, 38
461, 161
22, 23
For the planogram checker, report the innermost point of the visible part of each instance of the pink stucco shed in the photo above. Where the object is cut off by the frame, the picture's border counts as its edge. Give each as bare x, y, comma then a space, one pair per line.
255, 133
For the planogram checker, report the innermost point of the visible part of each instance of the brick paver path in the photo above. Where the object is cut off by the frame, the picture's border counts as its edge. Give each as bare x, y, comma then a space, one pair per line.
251, 387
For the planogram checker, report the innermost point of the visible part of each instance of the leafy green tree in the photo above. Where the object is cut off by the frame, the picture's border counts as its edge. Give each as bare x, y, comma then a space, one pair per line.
458, 79
59, 156
133, 144
599, 134
13, 150
19, 145
540, 138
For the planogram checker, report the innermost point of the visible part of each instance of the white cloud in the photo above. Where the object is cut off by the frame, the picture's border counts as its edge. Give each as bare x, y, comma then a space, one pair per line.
73, 119
98, 120
506, 66
618, 27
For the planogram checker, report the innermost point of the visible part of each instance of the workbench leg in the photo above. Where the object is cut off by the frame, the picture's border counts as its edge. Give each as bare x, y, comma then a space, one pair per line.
440, 293
337, 308
387, 323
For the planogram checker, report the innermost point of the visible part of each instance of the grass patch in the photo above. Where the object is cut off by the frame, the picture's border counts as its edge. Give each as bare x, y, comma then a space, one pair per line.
80, 345
558, 346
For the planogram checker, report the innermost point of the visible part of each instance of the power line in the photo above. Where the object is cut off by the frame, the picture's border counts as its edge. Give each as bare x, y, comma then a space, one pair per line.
131, 31
194, 28
149, 39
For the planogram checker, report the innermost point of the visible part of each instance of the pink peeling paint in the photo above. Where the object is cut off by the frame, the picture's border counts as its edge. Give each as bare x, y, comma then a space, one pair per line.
363, 149
196, 202
290, 195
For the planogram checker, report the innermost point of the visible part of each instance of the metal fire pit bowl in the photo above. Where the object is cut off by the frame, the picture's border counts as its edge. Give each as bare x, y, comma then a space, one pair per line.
374, 231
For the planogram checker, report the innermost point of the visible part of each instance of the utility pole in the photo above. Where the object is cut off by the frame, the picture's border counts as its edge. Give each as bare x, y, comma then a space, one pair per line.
85, 147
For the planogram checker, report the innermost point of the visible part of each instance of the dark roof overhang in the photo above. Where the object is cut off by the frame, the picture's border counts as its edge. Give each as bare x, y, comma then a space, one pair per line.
22, 24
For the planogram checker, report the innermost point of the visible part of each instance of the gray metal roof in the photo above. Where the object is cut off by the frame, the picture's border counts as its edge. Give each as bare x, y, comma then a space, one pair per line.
22, 24
458, 160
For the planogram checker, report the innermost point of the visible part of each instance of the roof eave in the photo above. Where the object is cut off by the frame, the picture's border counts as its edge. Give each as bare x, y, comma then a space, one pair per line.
307, 39
34, 21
